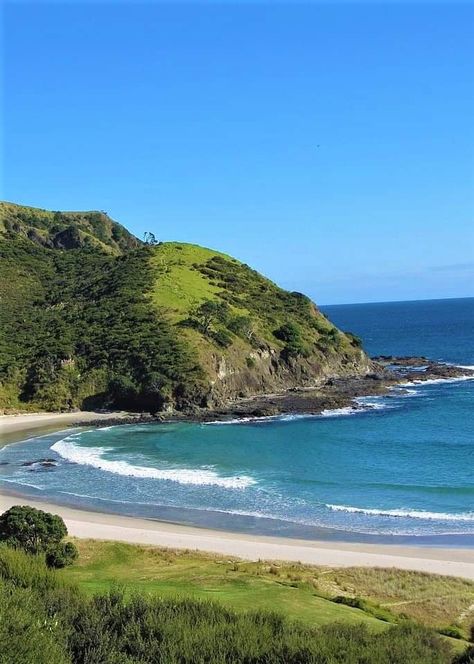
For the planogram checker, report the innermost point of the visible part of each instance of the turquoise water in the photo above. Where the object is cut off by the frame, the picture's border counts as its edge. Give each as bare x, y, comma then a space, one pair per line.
401, 467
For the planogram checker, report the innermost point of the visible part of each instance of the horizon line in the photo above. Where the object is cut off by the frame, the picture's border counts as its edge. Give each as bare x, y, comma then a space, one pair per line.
428, 299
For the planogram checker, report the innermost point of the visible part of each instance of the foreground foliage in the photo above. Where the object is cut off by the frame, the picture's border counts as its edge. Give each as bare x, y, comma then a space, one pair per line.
314, 595
45, 620
38, 532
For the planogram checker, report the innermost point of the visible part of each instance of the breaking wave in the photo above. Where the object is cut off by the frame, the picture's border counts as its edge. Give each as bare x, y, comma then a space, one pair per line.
363, 405
401, 513
94, 457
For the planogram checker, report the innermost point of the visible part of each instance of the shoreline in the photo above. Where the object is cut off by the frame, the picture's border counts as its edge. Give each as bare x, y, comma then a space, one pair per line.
135, 530
243, 525
336, 393
320, 548
23, 424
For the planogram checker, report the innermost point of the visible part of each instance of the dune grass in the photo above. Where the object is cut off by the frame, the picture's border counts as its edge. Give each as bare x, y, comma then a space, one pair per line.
81, 615
436, 601
235, 584
298, 591
47, 619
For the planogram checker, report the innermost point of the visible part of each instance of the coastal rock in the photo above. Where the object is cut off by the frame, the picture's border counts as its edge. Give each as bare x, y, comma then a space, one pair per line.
44, 463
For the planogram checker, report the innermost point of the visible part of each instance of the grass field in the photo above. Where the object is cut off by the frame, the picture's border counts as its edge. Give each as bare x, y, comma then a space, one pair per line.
302, 592
180, 286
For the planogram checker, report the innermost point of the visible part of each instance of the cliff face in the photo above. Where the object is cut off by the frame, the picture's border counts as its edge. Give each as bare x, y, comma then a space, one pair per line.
271, 374
91, 316
260, 338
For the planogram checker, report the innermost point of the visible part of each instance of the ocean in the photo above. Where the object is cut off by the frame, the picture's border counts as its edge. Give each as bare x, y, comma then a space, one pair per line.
400, 469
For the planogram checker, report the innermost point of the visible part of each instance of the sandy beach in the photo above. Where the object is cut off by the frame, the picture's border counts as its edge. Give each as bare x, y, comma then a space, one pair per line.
23, 423
96, 525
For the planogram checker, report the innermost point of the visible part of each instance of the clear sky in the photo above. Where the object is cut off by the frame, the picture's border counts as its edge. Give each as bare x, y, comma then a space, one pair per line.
329, 145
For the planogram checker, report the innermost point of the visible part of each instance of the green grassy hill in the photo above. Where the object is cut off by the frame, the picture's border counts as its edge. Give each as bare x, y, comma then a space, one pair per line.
90, 316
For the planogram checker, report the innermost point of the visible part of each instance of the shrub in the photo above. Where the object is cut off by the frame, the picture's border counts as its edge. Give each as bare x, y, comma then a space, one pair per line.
61, 555
354, 339
30, 529
290, 332
210, 313
354, 602
27, 633
222, 338
242, 326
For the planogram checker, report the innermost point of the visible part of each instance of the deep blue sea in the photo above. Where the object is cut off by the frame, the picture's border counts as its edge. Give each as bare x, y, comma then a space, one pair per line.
401, 469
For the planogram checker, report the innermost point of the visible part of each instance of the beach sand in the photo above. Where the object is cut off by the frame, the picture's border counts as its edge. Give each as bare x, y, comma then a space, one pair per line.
10, 424
20, 427
96, 525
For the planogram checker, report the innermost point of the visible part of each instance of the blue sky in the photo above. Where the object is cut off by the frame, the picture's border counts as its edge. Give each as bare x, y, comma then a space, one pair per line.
329, 145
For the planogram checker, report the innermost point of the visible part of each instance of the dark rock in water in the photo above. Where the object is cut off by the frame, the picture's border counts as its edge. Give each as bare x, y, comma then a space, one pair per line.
3, 463
409, 361
41, 462
447, 371
420, 368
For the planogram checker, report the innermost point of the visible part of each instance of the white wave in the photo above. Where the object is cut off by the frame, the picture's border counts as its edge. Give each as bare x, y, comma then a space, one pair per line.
93, 456
410, 393
285, 417
18, 481
363, 405
400, 513
374, 402
243, 420
338, 412
435, 381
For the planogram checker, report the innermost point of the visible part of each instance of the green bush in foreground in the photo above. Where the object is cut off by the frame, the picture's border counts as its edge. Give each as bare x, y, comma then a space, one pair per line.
30, 529
46, 621
35, 531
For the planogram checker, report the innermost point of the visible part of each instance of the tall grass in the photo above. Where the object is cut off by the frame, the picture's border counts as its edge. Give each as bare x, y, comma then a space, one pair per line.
44, 620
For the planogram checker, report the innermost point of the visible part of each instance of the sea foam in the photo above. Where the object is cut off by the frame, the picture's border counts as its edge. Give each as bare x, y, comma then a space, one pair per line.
94, 457
362, 407
403, 513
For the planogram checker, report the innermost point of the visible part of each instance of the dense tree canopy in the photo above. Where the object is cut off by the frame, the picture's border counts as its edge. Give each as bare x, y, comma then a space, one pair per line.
30, 529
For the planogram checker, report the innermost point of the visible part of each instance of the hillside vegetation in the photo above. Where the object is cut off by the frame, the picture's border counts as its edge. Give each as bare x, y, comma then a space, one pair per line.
313, 595
47, 620
90, 316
